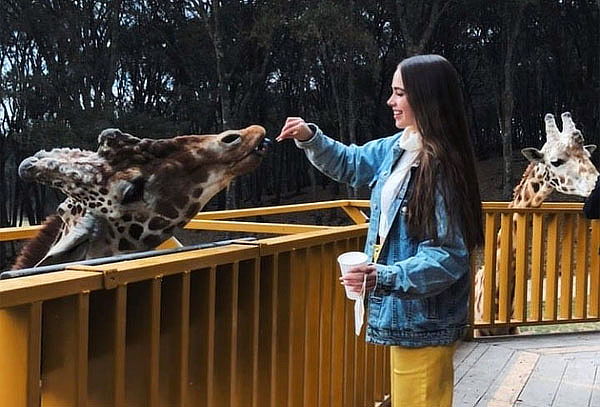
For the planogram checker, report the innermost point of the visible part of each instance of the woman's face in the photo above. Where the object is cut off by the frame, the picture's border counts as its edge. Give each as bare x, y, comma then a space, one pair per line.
403, 113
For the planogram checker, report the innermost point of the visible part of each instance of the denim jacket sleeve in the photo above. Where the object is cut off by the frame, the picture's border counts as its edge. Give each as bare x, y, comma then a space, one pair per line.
434, 267
354, 165
591, 207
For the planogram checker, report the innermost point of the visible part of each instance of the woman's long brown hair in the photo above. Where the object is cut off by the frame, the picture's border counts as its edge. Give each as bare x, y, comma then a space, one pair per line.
432, 86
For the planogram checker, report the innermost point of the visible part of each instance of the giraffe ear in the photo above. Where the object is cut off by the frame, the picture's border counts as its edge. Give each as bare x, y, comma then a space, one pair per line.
590, 148
134, 191
533, 154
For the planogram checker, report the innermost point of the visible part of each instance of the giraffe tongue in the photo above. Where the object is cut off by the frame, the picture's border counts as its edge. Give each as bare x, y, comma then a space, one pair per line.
74, 245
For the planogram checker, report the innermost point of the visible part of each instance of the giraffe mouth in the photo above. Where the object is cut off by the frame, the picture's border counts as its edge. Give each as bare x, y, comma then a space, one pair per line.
262, 147
260, 150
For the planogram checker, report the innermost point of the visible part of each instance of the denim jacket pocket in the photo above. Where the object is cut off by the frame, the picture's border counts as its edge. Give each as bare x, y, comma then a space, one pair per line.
432, 307
424, 309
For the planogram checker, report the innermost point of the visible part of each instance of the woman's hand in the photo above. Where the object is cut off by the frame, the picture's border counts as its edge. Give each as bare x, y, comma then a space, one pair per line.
355, 277
295, 128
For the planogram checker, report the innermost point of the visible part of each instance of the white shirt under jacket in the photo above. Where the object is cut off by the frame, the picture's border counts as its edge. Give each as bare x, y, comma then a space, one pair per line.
410, 141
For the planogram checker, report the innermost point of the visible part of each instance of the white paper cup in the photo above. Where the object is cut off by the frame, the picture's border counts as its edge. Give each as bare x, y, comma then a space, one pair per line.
347, 261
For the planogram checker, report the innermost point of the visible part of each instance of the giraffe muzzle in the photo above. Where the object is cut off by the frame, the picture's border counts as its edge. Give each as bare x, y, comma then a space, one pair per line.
26, 168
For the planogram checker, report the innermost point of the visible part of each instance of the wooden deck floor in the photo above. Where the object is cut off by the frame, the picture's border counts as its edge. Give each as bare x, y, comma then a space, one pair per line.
529, 371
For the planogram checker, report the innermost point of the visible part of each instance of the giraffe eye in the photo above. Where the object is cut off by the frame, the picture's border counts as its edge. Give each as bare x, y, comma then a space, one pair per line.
557, 163
230, 138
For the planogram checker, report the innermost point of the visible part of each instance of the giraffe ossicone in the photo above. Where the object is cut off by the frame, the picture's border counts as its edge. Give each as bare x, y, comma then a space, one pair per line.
132, 193
563, 164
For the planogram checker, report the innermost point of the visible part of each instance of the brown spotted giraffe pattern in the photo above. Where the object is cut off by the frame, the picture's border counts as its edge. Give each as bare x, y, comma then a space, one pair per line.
563, 164
132, 193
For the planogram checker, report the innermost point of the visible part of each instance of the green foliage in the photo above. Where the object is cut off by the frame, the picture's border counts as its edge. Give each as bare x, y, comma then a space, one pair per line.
158, 69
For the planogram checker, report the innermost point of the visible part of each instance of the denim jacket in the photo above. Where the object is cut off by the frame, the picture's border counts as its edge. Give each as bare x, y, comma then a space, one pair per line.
422, 289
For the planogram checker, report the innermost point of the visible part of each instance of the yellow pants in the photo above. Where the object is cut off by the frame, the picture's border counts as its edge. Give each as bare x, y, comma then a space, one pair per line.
422, 377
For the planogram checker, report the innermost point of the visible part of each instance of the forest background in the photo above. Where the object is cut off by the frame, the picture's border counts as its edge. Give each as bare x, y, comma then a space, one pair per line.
153, 68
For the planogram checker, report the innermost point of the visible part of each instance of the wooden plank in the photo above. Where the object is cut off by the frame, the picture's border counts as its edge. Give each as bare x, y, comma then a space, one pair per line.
575, 388
337, 338
594, 268
537, 258
297, 328
226, 335
369, 379
174, 339
64, 351
272, 210
184, 340
467, 356
329, 278
154, 334
312, 372
581, 278
147, 268
267, 341
247, 340
595, 398
283, 367
142, 343
42, 287
551, 294
19, 233
106, 319
480, 378
348, 372
550, 341
20, 341
309, 239
203, 288
380, 373
489, 279
355, 214
505, 272
521, 248
253, 227
510, 382
120, 337
566, 267
544, 381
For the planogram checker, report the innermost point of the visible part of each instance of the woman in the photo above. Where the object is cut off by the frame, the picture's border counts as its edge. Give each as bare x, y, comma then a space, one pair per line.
591, 207
425, 220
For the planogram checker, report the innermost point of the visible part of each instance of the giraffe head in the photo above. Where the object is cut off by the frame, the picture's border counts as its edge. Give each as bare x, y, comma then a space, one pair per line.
132, 193
564, 161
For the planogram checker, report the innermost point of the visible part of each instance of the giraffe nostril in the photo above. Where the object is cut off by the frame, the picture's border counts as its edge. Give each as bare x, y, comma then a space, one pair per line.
230, 138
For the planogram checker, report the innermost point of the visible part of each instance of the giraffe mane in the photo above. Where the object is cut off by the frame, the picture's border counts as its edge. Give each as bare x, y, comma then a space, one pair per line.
35, 249
518, 189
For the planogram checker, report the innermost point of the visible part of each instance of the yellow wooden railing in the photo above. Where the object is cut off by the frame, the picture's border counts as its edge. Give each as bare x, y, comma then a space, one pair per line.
550, 255
261, 323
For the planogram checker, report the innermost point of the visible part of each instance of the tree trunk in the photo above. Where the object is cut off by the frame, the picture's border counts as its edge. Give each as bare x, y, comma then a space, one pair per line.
512, 26
352, 120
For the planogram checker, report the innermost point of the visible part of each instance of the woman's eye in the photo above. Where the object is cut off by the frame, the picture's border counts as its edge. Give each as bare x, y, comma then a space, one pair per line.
557, 163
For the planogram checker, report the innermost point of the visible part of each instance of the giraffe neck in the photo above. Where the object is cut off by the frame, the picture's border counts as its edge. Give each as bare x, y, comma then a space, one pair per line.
533, 189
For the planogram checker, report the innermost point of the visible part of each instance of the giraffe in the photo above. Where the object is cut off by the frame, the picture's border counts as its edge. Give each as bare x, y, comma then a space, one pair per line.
132, 193
563, 164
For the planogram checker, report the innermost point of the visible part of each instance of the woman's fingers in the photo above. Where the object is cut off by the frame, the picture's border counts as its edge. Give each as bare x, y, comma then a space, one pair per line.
355, 278
294, 127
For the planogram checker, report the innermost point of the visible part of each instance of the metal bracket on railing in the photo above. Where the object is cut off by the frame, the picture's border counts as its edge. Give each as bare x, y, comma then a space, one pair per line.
117, 258
109, 281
